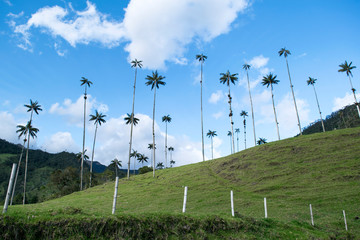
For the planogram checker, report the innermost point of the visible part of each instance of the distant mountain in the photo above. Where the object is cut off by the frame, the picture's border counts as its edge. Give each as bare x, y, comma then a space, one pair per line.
97, 167
347, 117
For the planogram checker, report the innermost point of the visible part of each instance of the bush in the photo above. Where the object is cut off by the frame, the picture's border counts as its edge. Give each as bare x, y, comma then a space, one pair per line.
145, 169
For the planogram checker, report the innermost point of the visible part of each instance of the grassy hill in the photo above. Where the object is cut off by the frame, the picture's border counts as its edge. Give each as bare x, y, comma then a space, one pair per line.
320, 169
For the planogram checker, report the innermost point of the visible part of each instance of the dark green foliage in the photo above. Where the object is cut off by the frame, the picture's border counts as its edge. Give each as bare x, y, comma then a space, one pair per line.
145, 169
344, 118
65, 181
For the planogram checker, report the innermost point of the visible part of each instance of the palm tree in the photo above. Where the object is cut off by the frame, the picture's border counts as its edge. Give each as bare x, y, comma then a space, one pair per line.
22, 130
142, 158
227, 78
237, 131
166, 119
267, 81
98, 119
160, 165
33, 107
131, 119
230, 135
171, 149
345, 67
201, 59
134, 64
87, 83
261, 141
117, 165
285, 52
172, 162
151, 147
244, 114
210, 135
311, 81
31, 133
154, 81
79, 156
136, 156
247, 67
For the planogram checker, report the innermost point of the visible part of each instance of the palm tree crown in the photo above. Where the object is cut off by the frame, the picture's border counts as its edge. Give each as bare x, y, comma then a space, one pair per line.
201, 57
136, 63
345, 67
33, 107
27, 129
86, 82
269, 80
98, 118
246, 66
311, 81
284, 51
243, 113
155, 80
166, 119
211, 134
130, 118
227, 78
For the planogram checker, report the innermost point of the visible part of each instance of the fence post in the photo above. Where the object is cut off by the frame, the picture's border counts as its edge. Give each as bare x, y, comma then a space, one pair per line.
265, 208
232, 203
11, 182
311, 214
185, 197
115, 195
346, 228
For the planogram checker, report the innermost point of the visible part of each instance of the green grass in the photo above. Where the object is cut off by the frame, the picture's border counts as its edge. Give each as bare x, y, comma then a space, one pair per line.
322, 169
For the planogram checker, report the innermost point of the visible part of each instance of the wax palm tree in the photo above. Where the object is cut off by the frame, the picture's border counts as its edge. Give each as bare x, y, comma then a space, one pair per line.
261, 141
86, 83
247, 67
79, 156
311, 81
142, 158
134, 64
117, 165
285, 52
171, 149
201, 58
172, 162
33, 107
151, 147
31, 133
267, 81
22, 130
244, 114
98, 119
130, 119
237, 131
135, 154
154, 81
210, 135
345, 67
166, 119
230, 135
160, 165
227, 78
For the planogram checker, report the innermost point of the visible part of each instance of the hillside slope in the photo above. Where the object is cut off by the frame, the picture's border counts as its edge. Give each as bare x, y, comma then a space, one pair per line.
319, 169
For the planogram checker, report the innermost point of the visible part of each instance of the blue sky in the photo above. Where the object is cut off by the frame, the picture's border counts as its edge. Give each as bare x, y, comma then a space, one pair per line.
47, 46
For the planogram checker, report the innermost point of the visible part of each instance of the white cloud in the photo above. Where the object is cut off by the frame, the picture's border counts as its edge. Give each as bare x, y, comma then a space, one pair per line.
74, 111
218, 115
8, 127
348, 99
60, 141
216, 96
8, 2
259, 62
157, 31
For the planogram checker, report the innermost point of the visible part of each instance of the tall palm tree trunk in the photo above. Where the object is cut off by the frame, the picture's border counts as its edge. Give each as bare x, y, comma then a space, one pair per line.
26, 164
252, 110
276, 122
212, 148
153, 132
231, 149
166, 145
132, 125
353, 90
232, 123
245, 133
292, 91
317, 101
17, 172
83, 148
92, 155
202, 124
237, 141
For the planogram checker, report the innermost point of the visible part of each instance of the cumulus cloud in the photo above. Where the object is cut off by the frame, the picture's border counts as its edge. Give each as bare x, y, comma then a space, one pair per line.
8, 127
74, 111
60, 141
340, 102
156, 31
259, 62
216, 97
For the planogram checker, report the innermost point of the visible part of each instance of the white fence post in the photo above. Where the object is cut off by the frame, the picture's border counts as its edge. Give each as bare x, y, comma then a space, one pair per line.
232, 203
346, 228
185, 197
115, 195
265, 208
11, 182
311, 214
